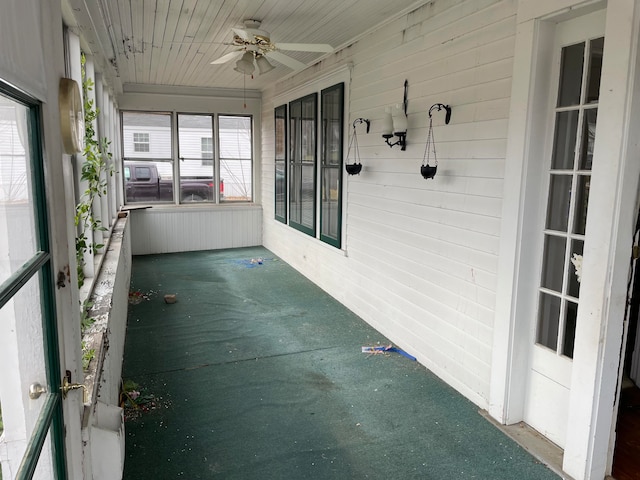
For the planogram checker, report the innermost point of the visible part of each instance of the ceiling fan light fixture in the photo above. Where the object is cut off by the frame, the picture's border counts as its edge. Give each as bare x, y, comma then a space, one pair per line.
263, 64
245, 64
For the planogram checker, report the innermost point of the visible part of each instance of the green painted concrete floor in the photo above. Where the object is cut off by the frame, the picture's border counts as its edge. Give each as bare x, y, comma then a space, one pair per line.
256, 373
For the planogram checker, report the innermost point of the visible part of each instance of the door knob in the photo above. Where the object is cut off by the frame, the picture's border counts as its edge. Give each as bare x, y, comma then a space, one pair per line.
35, 390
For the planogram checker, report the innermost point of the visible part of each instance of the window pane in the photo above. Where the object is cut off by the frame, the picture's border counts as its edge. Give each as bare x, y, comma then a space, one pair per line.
146, 135
18, 237
588, 138
564, 142
553, 262
574, 271
582, 203
569, 329
195, 133
559, 198
307, 217
572, 61
280, 190
596, 48
548, 321
330, 216
148, 181
332, 106
236, 157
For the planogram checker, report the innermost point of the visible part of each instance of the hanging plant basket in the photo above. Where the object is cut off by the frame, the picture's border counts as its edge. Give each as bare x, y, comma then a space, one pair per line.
353, 168
356, 167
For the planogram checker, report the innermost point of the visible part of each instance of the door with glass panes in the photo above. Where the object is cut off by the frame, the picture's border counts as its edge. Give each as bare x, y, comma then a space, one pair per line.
572, 118
31, 429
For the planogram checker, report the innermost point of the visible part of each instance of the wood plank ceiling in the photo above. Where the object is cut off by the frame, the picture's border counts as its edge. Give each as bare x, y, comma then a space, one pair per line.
173, 42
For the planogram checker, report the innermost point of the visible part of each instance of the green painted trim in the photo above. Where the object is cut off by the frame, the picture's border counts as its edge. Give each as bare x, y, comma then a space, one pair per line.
20, 277
282, 112
39, 435
47, 281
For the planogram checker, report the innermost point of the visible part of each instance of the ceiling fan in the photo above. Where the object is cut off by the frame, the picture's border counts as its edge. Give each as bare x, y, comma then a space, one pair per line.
255, 44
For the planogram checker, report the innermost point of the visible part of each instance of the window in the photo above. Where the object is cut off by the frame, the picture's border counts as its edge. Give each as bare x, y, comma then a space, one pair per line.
331, 164
302, 170
196, 171
154, 165
236, 172
313, 179
281, 163
211, 149
140, 142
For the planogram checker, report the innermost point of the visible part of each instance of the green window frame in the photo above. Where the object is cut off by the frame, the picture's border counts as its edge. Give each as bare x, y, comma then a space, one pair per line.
302, 163
331, 148
280, 156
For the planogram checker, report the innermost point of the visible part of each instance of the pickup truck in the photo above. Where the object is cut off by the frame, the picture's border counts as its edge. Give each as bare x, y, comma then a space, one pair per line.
143, 183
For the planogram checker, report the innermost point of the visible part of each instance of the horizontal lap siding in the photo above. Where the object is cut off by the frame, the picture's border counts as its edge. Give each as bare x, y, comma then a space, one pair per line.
176, 229
420, 256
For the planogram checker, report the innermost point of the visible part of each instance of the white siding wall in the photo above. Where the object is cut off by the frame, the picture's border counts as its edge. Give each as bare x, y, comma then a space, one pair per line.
165, 230
419, 257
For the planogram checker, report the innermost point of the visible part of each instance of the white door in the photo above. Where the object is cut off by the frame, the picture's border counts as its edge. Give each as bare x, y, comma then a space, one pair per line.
573, 110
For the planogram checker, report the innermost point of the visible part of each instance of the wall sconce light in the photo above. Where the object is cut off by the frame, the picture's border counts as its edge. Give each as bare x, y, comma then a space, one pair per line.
396, 124
355, 167
426, 170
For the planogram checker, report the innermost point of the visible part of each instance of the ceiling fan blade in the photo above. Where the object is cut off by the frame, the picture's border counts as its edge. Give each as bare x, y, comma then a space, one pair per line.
243, 34
228, 57
305, 47
292, 63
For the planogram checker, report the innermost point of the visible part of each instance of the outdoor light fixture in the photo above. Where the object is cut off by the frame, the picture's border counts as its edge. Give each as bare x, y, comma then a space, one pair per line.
355, 167
395, 124
426, 170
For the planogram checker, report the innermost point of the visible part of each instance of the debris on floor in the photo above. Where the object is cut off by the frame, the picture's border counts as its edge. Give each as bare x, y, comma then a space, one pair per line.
136, 297
170, 298
253, 262
384, 349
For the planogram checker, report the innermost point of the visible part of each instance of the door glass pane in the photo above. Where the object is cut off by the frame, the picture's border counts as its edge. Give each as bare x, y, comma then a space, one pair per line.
596, 48
548, 320
17, 225
553, 262
588, 138
569, 329
22, 357
572, 60
581, 204
195, 146
236, 165
564, 142
559, 198
574, 272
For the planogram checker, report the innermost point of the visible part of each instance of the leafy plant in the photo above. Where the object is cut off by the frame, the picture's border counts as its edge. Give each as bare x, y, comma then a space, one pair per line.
85, 320
94, 168
88, 354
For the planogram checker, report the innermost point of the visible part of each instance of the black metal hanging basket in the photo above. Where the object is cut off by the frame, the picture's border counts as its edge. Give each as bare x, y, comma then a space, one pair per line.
356, 167
427, 170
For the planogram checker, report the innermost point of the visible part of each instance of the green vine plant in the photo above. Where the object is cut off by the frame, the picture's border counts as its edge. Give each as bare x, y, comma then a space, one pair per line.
94, 169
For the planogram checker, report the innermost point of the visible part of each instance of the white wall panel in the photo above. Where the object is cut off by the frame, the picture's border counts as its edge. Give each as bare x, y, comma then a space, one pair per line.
419, 260
181, 229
